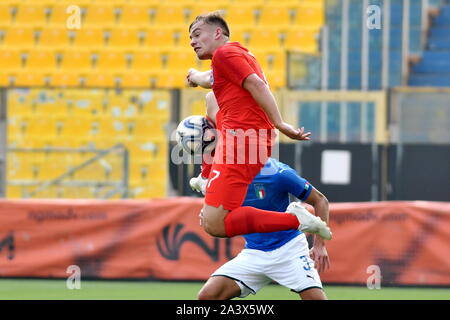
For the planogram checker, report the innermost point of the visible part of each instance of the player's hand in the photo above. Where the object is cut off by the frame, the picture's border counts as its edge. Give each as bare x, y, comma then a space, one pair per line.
291, 132
198, 184
190, 78
320, 256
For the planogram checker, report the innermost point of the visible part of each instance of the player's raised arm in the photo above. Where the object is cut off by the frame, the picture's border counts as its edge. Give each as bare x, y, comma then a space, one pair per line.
264, 97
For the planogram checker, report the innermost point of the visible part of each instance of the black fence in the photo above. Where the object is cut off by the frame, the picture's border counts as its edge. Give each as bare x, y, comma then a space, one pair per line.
375, 172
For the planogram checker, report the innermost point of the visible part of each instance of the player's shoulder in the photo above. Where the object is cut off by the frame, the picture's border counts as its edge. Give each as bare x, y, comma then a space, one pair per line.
230, 49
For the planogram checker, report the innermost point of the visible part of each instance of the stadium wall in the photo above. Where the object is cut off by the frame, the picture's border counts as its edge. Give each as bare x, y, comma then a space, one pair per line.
161, 239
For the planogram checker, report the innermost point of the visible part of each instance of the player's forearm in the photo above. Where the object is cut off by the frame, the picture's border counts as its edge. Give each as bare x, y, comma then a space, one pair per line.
203, 79
265, 99
321, 209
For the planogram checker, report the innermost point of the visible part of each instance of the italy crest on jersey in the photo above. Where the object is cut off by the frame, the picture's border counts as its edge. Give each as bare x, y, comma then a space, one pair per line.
260, 191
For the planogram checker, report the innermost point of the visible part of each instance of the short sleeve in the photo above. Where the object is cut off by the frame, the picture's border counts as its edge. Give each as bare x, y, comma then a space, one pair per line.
294, 184
232, 65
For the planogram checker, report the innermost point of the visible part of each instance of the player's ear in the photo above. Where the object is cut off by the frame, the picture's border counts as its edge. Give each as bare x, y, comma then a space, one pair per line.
218, 33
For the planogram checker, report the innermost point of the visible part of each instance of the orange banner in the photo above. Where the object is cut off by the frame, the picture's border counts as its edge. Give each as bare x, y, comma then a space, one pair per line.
162, 239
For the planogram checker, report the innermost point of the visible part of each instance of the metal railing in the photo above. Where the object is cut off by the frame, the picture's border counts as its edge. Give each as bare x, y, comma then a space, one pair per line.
103, 189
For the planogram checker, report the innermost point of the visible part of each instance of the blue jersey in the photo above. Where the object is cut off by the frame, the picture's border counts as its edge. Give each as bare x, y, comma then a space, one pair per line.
270, 190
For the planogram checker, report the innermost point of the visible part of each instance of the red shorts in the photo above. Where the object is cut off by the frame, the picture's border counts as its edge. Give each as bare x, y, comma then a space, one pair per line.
228, 184
228, 181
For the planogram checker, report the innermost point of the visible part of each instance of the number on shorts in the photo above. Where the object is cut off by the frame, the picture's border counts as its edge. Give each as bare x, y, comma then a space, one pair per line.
217, 174
306, 267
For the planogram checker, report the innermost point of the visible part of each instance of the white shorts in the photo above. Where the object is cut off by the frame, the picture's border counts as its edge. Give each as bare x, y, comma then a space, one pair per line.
290, 266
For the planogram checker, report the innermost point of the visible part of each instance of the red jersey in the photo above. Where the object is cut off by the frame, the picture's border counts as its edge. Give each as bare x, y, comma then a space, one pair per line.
231, 65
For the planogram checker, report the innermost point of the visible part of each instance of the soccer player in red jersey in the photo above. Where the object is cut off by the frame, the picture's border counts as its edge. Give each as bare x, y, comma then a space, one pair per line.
247, 118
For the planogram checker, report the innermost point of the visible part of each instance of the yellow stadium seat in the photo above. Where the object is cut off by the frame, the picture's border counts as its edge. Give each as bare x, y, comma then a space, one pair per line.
39, 65
135, 15
111, 62
144, 127
147, 61
181, 60
30, 14
54, 38
181, 37
274, 15
240, 15
309, 17
100, 80
78, 61
241, 35
100, 15
10, 60
145, 172
90, 39
27, 79
170, 15
264, 38
124, 38
4, 80
301, 40
160, 38
41, 60
135, 79
19, 38
59, 15
200, 8
73, 65
5, 15
171, 80
64, 79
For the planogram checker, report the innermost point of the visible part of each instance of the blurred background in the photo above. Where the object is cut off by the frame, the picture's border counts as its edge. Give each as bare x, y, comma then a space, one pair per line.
368, 78
91, 92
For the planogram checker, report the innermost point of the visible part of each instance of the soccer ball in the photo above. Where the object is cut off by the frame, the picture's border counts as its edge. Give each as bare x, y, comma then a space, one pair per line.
196, 135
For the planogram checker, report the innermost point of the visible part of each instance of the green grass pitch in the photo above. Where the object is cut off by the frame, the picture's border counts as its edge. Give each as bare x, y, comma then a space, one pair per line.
56, 289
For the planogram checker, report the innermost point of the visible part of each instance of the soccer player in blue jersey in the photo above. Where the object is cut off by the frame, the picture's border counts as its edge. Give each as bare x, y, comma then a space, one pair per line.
282, 256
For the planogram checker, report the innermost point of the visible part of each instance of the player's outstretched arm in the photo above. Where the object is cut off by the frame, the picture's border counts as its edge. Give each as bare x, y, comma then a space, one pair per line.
264, 97
197, 78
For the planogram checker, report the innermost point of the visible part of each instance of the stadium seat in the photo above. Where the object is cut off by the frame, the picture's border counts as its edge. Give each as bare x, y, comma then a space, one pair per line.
10, 60
39, 65
22, 38
73, 65
135, 79
170, 15
240, 15
310, 17
275, 15
76, 61
111, 62
147, 61
59, 15
169, 80
5, 15
54, 38
159, 38
89, 39
99, 15
128, 38
135, 15
302, 40
200, 8
264, 38
29, 14
181, 60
